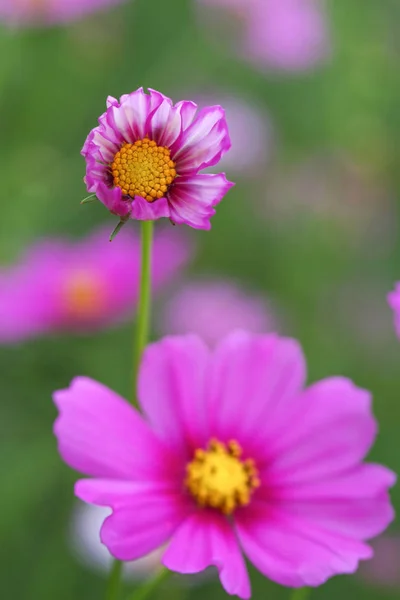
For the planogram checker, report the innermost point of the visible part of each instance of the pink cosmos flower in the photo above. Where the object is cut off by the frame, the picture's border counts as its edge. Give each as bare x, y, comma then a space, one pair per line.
280, 34
394, 303
144, 158
231, 456
61, 285
49, 12
212, 309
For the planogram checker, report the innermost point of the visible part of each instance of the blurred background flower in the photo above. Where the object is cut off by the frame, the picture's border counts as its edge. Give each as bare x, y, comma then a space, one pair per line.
49, 12
382, 572
61, 285
213, 308
288, 35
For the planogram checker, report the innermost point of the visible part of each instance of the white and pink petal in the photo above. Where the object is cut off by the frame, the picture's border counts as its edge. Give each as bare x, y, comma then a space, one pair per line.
192, 198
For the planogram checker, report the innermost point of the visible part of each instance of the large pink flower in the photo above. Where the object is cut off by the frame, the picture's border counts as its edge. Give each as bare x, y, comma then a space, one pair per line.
394, 303
61, 285
144, 158
232, 456
49, 12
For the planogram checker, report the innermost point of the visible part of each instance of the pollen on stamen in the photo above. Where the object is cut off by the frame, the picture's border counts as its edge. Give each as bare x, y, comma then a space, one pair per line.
218, 478
143, 169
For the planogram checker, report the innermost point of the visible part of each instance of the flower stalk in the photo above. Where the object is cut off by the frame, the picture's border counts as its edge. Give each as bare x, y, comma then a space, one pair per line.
140, 341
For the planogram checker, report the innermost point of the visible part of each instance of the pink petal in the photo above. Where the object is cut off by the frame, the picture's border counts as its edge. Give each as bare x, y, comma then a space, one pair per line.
364, 481
203, 143
393, 299
136, 108
118, 493
143, 522
101, 435
206, 539
165, 123
171, 389
187, 111
292, 551
193, 197
141, 210
253, 381
334, 430
112, 198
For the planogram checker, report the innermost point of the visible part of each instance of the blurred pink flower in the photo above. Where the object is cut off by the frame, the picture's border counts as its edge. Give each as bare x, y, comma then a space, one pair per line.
49, 12
251, 133
383, 570
290, 35
144, 157
212, 309
231, 456
394, 303
61, 285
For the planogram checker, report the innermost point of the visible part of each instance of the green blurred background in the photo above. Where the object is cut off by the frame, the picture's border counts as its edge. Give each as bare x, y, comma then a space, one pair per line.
316, 231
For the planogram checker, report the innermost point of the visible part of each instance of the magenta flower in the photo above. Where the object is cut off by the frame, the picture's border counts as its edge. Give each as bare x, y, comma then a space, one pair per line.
144, 158
212, 309
394, 303
49, 12
231, 456
61, 285
290, 35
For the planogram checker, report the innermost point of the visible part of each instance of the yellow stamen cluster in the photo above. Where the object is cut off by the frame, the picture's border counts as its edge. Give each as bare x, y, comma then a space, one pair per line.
218, 478
83, 295
143, 169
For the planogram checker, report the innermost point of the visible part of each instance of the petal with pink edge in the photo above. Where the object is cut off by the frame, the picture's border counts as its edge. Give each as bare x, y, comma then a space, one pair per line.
136, 108
203, 143
333, 429
112, 198
143, 522
192, 198
254, 379
101, 435
205, 539
172, 390
141, 210
164, 125
294, 552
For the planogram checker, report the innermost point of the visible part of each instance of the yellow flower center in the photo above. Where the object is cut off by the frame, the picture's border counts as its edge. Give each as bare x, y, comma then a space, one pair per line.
218, 478
84, 295
143, 169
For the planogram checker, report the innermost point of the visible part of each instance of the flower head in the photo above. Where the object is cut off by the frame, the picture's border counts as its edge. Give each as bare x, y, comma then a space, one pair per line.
143, 159
232, 456
61, 285
49, 12
212, 309
394, 303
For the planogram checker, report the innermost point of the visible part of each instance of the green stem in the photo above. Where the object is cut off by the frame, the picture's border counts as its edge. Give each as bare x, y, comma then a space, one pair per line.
141, 339
114, 581
300, 593
147, 588
143, 314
